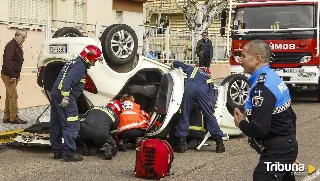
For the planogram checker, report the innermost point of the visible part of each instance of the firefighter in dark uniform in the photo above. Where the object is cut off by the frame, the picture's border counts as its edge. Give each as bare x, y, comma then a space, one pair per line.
271, 129
199, 89
197, 128
64, 120
98, 127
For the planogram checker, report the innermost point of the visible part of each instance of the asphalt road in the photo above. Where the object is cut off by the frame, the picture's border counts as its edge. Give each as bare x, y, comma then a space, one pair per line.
237, 163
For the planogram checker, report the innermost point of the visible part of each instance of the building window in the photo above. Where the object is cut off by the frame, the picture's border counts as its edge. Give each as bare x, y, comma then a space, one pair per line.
31, 11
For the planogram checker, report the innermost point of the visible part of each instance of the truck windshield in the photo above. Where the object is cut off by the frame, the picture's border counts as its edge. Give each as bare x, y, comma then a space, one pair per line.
274, 17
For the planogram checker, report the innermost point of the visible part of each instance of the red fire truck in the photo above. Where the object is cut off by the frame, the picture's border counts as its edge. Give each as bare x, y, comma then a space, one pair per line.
291, 27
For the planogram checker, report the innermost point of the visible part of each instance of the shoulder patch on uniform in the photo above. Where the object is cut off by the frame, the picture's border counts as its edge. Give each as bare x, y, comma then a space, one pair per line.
262, 78
257, 101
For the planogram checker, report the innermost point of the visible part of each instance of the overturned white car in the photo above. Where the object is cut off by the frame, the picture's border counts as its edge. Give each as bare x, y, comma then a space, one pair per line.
157, 88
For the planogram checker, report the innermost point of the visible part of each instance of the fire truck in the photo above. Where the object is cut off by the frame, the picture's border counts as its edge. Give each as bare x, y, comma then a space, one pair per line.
290, 27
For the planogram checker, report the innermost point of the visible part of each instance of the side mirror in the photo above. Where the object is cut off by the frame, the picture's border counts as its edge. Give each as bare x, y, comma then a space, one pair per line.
223, 22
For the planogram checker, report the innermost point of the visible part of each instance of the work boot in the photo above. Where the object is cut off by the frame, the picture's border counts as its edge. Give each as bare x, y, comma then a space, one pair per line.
107, 151
74, 158
114, 150
57, 156
220, 146
122, 145
182, 145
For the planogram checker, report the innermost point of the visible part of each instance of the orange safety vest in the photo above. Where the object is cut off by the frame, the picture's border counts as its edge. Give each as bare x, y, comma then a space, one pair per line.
133, 117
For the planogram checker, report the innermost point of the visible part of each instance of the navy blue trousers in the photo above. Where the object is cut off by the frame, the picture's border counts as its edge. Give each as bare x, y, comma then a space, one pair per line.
64, 123
202, 94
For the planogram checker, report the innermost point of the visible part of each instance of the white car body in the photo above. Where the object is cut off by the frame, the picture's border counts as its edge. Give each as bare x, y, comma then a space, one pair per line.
109, 83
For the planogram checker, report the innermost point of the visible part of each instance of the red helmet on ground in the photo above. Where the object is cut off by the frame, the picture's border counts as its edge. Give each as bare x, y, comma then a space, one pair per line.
116, 106
207, 70
91, 53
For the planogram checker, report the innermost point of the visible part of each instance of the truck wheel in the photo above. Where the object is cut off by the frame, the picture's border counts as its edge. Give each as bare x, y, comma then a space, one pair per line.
238, 90
67, 32
120, 45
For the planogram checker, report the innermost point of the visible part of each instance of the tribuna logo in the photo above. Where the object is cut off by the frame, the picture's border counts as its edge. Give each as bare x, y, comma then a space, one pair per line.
277, 166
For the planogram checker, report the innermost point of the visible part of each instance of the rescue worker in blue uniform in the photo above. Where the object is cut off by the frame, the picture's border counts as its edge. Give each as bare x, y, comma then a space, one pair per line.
271, 129
199, 89
64, 120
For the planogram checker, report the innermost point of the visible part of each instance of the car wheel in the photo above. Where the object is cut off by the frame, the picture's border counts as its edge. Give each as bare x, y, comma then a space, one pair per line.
227, 79
238, 90
67, 32
103, 42
120, 45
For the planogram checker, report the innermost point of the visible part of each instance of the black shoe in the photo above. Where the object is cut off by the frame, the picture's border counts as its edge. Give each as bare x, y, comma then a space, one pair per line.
182, 145
220, 148
122, 145
74, 158
114, 150
57, 155
107, 151
193, 144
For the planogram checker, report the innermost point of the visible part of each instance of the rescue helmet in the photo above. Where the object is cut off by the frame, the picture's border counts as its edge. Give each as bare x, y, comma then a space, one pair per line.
91, 53
116, 106
207, 70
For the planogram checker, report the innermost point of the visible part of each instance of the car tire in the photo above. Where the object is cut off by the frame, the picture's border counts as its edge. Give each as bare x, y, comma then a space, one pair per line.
239, 86
110, 51
103, 42
67, 32
227, 79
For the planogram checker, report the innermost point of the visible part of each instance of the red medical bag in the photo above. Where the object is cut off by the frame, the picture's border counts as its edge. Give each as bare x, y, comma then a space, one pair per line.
153, 158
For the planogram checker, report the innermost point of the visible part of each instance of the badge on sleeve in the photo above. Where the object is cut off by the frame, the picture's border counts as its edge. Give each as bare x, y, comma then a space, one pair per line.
257, 101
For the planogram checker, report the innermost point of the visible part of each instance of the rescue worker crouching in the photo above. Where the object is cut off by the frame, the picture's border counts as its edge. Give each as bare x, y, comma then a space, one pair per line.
98, 126
198, 89
133, 122
64, 117
272, 122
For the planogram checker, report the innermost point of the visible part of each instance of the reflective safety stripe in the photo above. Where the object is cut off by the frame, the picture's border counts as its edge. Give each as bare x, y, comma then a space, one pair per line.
199, 128
71, 119
65, 94
83, 81
128, 112
132, 125
114, 131
209, 81
63, 76
194, 72
107, 112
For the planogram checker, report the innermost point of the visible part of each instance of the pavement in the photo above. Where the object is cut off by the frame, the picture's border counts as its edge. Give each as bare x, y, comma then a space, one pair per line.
237, 163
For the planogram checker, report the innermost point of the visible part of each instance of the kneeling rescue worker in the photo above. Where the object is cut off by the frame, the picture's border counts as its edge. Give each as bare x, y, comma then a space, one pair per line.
199, 89
64, 120
98, 126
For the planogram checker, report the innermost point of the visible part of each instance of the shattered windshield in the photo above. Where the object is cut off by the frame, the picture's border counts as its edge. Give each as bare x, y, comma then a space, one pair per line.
274, 17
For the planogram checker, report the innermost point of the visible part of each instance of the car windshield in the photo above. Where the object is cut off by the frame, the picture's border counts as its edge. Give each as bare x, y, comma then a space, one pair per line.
274, 17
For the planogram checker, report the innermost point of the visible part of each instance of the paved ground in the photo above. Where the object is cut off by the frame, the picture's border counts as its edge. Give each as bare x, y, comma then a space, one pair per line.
30, 163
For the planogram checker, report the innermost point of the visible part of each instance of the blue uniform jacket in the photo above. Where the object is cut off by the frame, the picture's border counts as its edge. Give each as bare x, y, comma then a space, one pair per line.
71, 78
193, 73
268, 106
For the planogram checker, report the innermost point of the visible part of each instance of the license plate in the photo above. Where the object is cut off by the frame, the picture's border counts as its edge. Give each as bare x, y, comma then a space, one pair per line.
293, 70
58, 49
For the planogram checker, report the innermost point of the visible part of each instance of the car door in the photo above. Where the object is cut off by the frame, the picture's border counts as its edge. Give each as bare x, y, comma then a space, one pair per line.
167, 104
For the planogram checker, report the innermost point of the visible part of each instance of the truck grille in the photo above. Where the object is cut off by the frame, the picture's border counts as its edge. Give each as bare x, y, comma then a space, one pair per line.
288, 57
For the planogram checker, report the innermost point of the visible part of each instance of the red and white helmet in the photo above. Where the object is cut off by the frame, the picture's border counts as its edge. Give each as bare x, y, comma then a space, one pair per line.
91, 53
207, 70
116, 106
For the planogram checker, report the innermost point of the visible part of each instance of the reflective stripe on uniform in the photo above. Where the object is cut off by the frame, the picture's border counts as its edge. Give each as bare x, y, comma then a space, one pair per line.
106, 111
209, 81
71, 119
194, 72
198, 128
128, 112
63, 76
65, 93
83, 81
132, 125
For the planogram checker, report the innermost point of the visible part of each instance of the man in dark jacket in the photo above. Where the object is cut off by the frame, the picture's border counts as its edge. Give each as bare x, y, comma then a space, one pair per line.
64, 116
204, 51
10, 74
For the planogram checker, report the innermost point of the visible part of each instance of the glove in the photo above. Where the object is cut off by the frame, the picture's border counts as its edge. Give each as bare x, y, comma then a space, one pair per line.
64, 102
